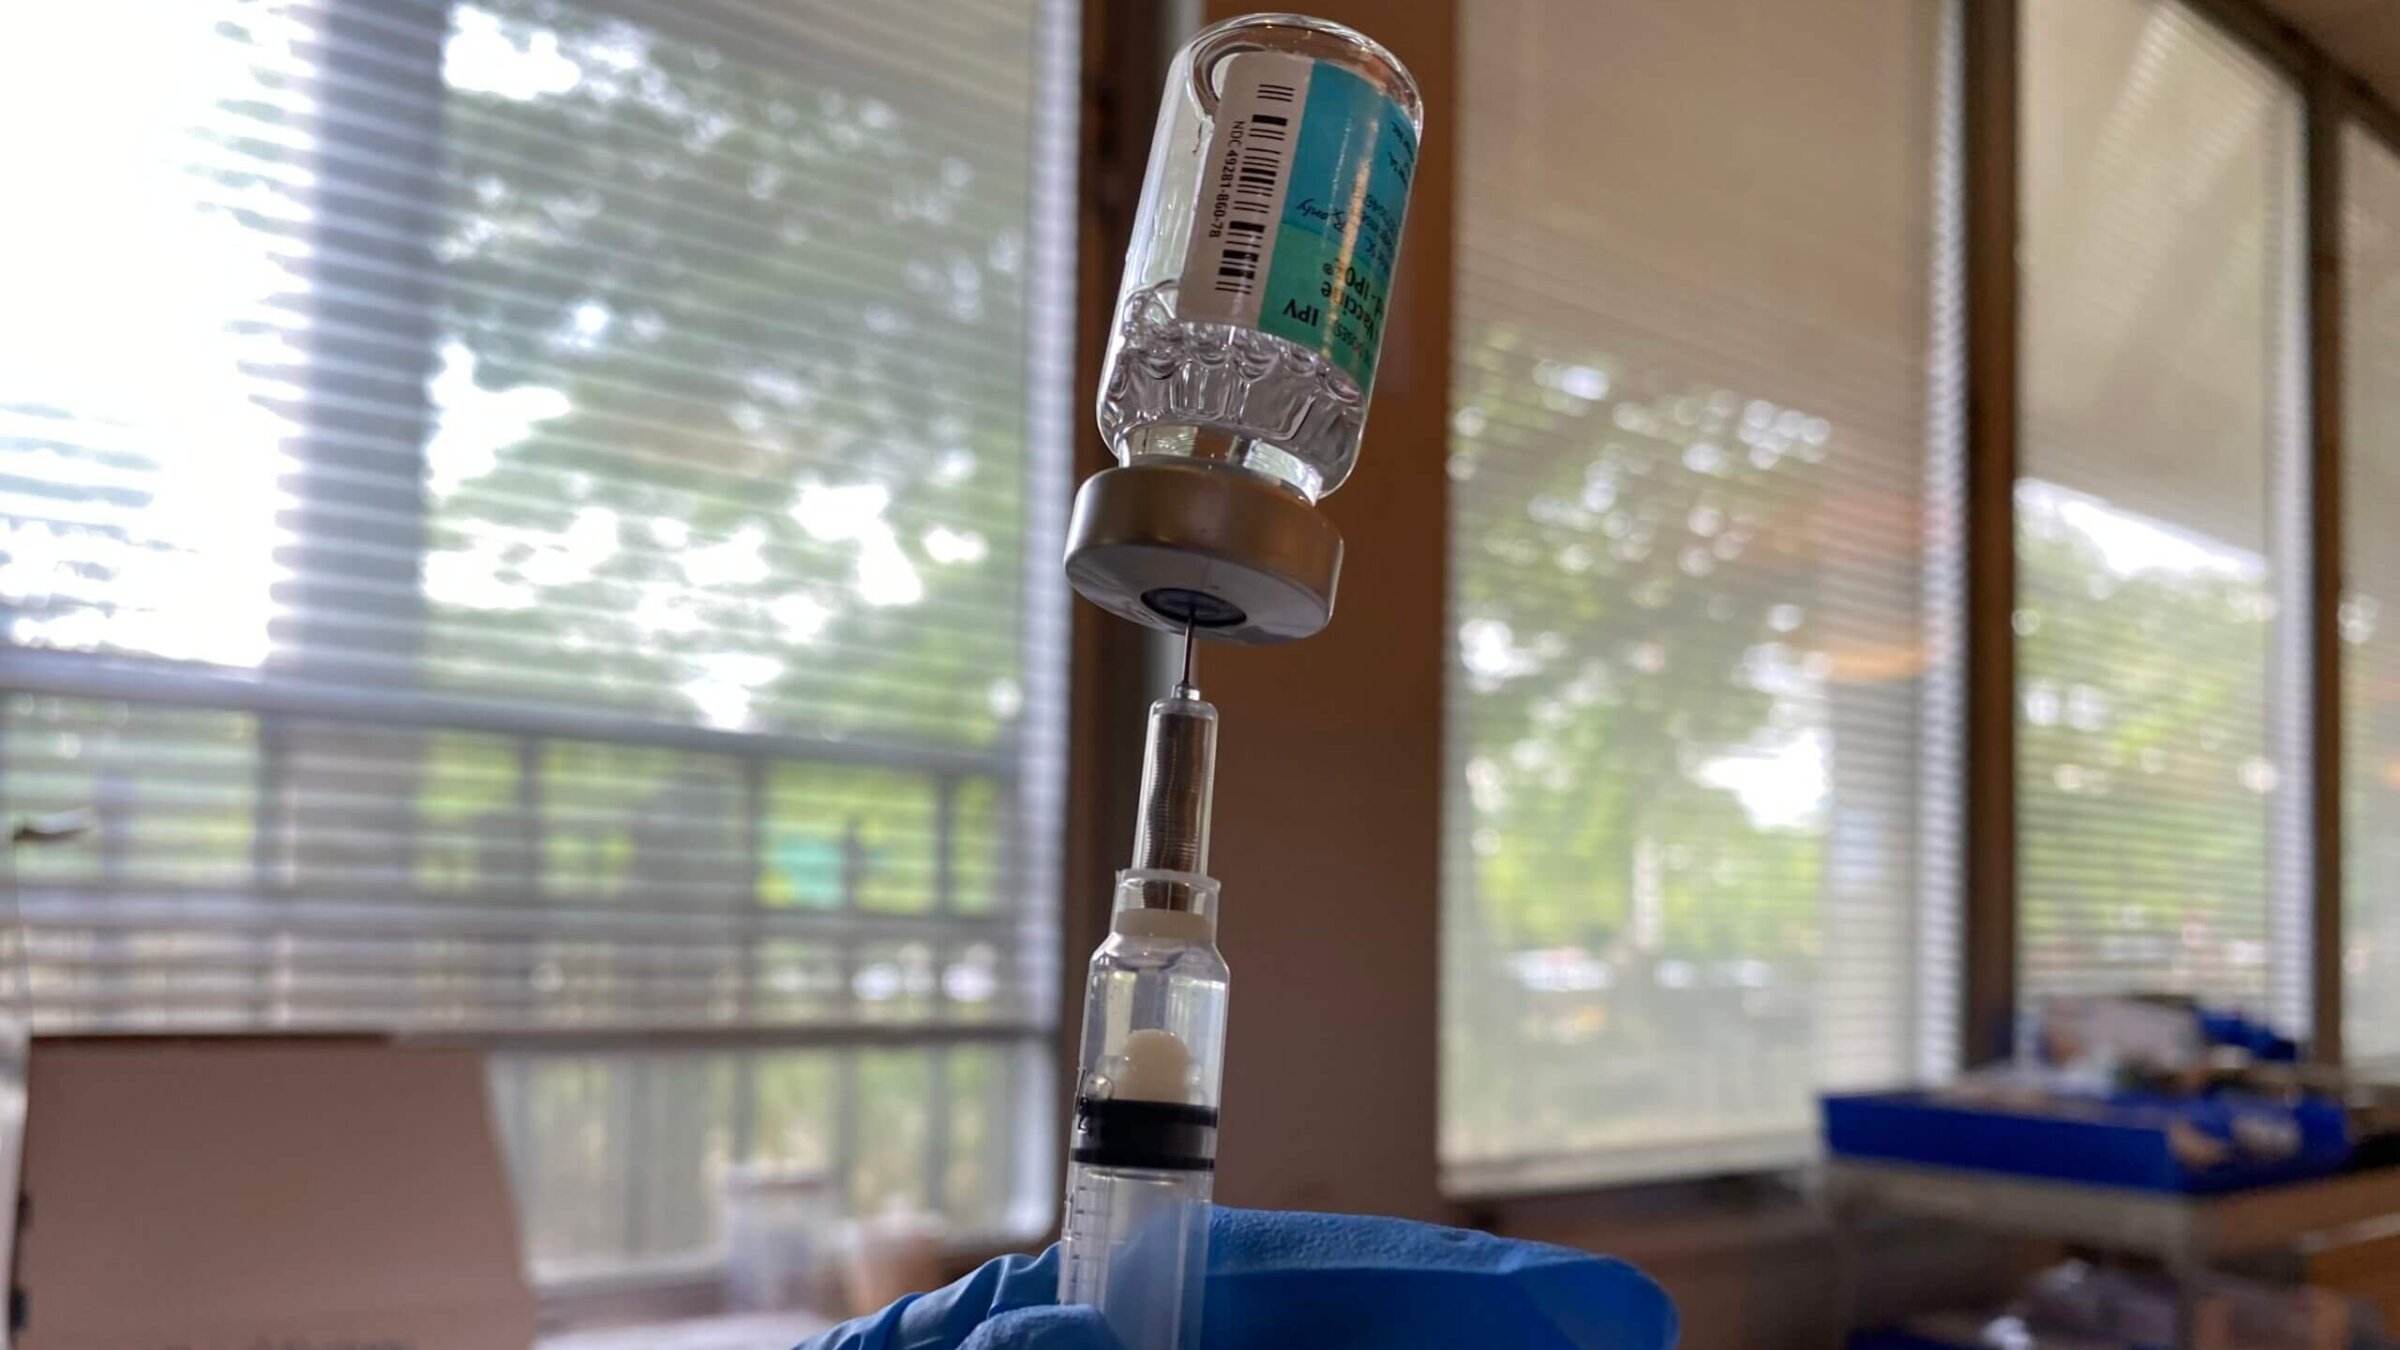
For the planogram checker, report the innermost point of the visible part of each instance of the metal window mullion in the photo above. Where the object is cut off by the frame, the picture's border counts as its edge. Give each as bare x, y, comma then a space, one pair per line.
2295, 548
1992, 87
635, 1093
357, 177
270, 777
270, 826
945, 884
937, 1130
945, 844
2328, 101
850, 957
846, 1096
328, 571
189, 684
530, 885
845, 1125
16, 982
754, 843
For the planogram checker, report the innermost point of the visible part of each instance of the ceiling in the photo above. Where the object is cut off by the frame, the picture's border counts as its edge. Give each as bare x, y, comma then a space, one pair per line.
2362, 35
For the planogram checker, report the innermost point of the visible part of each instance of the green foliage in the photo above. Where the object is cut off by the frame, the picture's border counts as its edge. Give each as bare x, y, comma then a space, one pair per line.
798, 1098
2144, 768
172, 791
1629, 602
894, 1089
837, 834
1635, 569
467, 813
785, 307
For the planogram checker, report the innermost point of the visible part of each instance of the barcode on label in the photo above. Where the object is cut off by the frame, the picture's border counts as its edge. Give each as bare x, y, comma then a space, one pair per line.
1257, 146
1259, 160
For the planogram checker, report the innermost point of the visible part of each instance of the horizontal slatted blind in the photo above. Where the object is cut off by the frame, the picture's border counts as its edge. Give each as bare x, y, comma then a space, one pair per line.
2161, 794
2370, 617
1700, 821
525, 514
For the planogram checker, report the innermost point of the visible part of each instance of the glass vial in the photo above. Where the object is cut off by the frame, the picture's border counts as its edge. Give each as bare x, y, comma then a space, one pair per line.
1253, 303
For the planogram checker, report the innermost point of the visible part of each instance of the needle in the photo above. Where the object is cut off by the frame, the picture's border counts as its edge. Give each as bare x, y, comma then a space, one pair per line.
1186, 681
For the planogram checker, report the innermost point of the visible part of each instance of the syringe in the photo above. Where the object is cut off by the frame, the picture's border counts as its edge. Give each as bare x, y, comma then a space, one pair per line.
1211, 518
1135, 1239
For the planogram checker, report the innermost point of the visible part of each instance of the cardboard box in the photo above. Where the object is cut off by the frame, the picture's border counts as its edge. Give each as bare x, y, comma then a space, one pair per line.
264, 1194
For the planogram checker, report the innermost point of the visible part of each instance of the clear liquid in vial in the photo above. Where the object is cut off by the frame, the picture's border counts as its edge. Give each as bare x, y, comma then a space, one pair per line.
1291, 413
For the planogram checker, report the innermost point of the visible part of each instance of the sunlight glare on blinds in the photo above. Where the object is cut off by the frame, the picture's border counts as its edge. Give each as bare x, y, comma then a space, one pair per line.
527, 513
2370, 621
1700, 813
2161, 592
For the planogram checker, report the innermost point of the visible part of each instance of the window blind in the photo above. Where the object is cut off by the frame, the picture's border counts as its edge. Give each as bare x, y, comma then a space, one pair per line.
2162, 604
2369, 623
1700, 812
522, 516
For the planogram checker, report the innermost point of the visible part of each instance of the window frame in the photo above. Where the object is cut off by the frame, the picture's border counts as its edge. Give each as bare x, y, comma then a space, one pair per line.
1989, 79
366, 126
2331, 100
1112, 669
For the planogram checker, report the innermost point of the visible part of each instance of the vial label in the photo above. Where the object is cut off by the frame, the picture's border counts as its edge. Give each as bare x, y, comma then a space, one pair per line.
1298, 222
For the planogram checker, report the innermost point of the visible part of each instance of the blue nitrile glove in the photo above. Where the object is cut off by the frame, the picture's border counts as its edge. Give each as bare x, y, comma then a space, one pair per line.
1311, 1282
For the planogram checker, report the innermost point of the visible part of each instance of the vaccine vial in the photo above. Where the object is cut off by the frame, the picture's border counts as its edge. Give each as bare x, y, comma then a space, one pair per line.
1256, 285
1247, 329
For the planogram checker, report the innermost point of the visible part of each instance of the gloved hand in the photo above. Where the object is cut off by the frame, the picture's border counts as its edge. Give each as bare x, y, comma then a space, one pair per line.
1311, 1282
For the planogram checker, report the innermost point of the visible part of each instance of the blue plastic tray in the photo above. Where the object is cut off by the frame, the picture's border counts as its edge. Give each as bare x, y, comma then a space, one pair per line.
2114, 1141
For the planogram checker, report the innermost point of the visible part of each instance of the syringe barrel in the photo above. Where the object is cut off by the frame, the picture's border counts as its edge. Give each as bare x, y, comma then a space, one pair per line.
1135, 1246
1143, 1158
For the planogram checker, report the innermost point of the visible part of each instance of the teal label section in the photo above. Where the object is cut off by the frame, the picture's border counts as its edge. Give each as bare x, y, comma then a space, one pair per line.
1340, 232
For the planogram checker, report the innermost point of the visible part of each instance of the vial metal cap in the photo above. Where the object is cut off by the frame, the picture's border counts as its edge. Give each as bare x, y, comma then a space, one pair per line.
1168, 541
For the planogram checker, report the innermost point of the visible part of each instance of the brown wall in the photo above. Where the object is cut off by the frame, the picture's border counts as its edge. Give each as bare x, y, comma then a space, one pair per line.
1328, 787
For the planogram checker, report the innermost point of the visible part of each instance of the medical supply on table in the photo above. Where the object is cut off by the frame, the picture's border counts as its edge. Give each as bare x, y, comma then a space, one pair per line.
2201, 1145
779, 1224
1248, 327
2078, 1305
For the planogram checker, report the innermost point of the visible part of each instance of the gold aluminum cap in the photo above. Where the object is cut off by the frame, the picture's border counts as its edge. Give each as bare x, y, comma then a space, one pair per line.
1170, 540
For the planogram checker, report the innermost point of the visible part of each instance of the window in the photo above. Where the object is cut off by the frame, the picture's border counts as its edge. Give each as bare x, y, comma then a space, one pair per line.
534, 523
2162, 592
620, 1156
1701, 812
520, 519
2370, 621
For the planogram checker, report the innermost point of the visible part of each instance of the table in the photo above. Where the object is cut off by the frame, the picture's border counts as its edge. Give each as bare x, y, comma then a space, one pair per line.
2187, 1234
